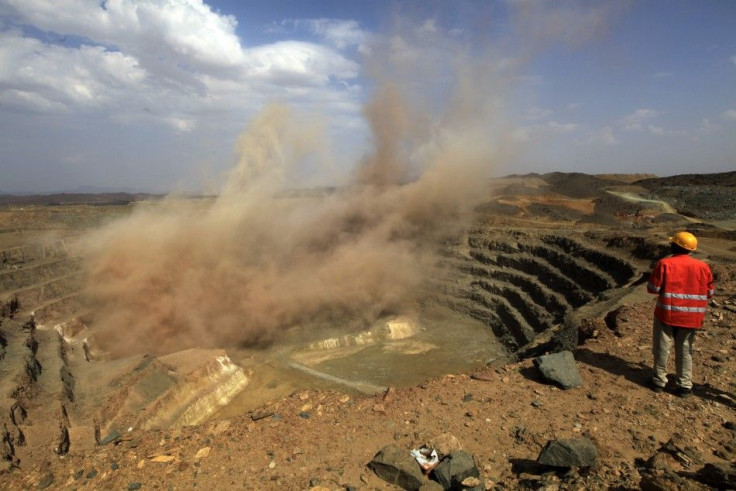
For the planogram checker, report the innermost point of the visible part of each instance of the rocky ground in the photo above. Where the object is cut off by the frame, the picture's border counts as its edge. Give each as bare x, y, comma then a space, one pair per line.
502, 415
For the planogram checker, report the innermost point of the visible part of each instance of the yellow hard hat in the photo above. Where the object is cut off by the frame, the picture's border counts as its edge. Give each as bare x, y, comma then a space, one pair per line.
686, 240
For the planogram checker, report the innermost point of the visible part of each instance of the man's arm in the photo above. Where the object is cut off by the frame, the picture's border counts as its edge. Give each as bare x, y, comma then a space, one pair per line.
656, 279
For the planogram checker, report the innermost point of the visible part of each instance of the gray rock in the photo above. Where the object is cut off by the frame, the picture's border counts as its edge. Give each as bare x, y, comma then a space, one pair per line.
575, 452
660, 462
114, 435
46, 481
559, 368
396, 466
456, 468
721, 476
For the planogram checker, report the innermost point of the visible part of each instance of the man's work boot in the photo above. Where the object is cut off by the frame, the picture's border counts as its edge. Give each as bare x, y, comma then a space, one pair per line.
655, 388
683, 393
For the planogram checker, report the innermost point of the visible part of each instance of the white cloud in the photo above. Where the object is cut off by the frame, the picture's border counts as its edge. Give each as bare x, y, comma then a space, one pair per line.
48, 77
543, 130
537, 113
704, 128
298, 62
429, 25
733, 59
166, 60
562, 127
339, 33
154, 31
707, 128
658, 130
730, 114
602, 136
635, 121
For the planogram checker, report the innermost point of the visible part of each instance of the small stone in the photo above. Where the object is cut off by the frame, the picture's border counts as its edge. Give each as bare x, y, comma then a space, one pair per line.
537, 404
134, 485
202, 453
46, 481
470, 482
304, 415
221, 427
78, 474
482, 376
505, 380
114, 466
91, 474
468, 397
111, 437
163, 458
379, 408
388, 396
261, 414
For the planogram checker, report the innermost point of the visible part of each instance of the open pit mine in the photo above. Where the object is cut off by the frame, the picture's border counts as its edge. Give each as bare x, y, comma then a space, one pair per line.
543, 253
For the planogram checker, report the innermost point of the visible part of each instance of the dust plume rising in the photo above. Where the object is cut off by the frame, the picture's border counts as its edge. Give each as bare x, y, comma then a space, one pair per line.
243, 267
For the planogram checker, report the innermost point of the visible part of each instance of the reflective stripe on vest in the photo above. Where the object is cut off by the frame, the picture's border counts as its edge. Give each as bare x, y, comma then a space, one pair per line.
681, 309
684, 296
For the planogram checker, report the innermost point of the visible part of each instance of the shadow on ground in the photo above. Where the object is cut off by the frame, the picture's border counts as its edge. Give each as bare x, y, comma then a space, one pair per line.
640, 374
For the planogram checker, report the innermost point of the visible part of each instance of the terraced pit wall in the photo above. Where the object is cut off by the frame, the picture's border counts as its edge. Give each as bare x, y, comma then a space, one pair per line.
523, 283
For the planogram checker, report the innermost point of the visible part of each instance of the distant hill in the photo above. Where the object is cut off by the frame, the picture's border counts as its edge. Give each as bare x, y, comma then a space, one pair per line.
99, 199
717, 179
576, 184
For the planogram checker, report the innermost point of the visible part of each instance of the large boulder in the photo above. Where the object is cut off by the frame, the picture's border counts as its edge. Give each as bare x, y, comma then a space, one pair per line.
718, 475
574, 452
454, 471
396, 466
559, 368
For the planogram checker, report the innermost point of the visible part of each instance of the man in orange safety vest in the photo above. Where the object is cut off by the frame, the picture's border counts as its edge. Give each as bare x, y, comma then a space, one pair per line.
684, 285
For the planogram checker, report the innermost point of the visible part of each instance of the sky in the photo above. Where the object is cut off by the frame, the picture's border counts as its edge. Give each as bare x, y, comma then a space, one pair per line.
151, 95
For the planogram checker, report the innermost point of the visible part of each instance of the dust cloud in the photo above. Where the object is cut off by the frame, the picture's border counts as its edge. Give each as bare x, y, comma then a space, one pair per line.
243, 267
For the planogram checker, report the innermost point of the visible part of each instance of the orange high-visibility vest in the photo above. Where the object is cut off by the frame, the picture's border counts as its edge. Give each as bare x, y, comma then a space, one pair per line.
684, 285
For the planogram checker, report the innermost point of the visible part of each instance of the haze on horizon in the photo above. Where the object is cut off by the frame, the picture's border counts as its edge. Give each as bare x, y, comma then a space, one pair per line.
151, 95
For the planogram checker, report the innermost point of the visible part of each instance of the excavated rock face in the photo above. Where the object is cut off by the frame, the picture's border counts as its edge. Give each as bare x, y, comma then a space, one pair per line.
55, 396
522, 284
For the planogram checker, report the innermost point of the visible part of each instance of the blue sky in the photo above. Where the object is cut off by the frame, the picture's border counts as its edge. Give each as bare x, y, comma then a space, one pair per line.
152, 94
